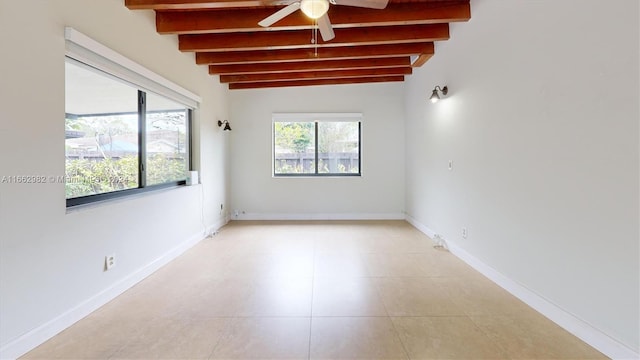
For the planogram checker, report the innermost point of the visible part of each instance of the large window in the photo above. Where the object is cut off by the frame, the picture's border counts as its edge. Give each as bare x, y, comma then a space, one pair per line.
316, 144
120, 139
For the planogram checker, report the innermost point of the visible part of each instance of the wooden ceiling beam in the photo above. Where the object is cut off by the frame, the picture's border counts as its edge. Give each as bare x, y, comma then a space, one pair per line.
423, 58
370, 45
222, 4
301, 39
309, 66
258, 85
342, 52
305, 75
225, 21
194, 4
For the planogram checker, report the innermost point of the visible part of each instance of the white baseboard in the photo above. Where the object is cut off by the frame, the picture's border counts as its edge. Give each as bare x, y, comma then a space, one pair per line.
578, 327
425, 230
212, 229
44, 332
319, 216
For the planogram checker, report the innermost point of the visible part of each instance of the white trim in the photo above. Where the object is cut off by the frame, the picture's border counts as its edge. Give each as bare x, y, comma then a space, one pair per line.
576, 326
319, 216
44, 332
310, 117
425, 230
91, 52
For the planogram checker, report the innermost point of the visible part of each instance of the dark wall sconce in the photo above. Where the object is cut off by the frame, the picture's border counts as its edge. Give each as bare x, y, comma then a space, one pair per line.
435, 96
226, 125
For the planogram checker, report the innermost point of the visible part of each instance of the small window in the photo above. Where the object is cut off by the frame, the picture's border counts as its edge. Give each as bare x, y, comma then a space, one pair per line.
120, 139
316, 145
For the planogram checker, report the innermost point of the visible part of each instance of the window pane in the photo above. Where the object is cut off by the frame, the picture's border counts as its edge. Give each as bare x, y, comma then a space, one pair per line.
294, 147
101, 138
167, 147
338, 148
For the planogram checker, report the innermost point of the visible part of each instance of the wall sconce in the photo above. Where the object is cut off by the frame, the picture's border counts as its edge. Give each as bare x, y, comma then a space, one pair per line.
226, 125
434, 95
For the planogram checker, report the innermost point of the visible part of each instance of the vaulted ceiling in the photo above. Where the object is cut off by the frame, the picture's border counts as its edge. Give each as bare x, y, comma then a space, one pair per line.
370, 45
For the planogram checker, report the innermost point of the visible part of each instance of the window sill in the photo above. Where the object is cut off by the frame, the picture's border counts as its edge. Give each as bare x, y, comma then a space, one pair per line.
116, 200
302, 176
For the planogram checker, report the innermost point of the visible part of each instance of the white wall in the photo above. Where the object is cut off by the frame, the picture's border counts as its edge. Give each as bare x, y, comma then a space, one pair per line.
542, 127
51, 261
378, 193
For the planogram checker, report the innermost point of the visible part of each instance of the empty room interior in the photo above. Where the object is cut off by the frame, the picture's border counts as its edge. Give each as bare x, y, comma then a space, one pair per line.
348, 179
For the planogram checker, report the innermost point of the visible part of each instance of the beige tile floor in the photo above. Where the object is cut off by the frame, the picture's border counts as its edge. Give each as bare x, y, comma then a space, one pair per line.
315, 290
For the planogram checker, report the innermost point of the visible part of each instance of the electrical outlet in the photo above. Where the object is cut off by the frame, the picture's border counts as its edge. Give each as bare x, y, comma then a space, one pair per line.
109, 262
464, 233
236, 213
439, 242
450, 164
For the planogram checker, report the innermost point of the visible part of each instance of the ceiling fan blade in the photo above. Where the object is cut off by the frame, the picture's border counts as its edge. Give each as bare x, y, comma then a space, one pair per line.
280, 14
326, 30
371, 4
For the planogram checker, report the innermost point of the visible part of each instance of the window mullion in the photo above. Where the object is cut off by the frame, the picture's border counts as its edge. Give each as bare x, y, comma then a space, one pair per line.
316, 147
359, 148
189, 124
142, 143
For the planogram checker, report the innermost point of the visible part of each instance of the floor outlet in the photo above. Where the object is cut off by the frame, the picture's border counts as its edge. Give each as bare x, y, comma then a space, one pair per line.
109, 262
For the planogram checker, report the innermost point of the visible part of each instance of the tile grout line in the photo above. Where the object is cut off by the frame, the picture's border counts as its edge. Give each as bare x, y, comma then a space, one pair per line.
228, 323
395, 329
491, 338
313, 279
388, 316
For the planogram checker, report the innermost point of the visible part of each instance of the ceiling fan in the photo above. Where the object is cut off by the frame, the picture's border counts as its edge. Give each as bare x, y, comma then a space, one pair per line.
317, 10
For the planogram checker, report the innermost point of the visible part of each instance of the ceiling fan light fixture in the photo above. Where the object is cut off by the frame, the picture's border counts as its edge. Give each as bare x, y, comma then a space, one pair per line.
314, 8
